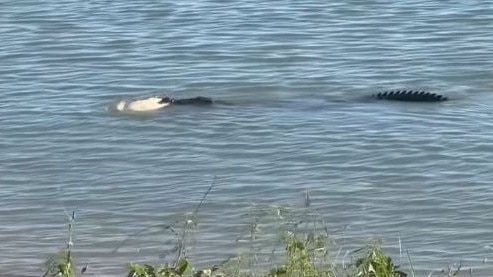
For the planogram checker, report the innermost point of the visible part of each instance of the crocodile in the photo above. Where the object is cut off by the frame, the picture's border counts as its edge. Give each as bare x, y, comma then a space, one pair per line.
155, 103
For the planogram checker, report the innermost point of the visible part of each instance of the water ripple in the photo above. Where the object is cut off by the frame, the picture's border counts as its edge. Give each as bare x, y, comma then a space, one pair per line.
296, 72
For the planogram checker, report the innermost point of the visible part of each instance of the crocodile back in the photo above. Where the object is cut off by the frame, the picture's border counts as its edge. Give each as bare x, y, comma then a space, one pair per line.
410, 96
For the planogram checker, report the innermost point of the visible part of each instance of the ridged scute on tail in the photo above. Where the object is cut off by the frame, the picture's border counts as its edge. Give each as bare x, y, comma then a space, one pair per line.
410, 96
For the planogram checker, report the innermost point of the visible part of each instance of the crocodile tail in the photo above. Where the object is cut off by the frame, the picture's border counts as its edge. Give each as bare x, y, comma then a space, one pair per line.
410, 96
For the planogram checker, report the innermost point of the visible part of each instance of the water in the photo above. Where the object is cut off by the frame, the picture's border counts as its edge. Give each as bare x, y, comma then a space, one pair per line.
296, 72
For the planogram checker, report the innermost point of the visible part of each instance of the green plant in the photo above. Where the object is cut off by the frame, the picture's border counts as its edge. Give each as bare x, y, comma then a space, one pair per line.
181, 263
376, 264
302, 236
145, 270
62, 264
298, 261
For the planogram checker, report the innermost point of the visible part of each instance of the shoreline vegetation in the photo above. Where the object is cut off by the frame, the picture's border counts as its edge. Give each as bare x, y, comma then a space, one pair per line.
304, 251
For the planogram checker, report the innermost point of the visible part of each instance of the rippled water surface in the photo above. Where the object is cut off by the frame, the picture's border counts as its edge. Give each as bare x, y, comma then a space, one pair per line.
297, 72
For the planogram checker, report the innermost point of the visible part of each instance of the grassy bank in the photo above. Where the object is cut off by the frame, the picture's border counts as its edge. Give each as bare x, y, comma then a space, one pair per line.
303, 248
302, 255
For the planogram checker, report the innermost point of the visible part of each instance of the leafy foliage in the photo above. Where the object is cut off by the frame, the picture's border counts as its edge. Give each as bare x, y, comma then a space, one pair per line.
377, 264
306, 242
145, 270
62, 264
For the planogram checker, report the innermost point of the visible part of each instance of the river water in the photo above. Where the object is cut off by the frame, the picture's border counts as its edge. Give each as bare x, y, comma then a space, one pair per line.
417, 175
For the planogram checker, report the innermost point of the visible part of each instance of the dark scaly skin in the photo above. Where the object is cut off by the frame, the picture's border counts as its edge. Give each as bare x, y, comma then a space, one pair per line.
410, 96
397, 95
188, 101
193, 101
